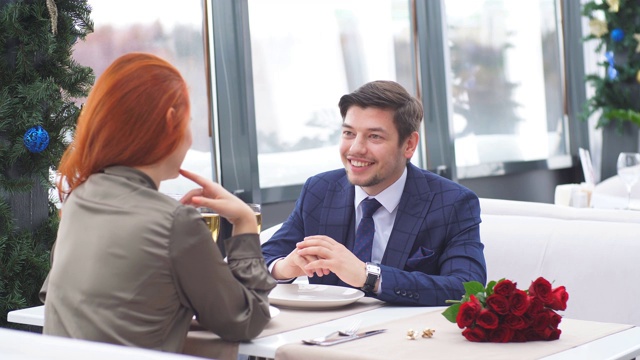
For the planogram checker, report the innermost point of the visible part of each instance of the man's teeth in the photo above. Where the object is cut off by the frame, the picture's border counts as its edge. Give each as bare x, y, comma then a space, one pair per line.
360, 163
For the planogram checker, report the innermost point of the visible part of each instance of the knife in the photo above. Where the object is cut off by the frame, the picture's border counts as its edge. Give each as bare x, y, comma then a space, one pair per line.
344, 339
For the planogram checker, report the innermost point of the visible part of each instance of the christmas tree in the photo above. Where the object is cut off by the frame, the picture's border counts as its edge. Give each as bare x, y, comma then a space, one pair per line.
615, 26
40, 85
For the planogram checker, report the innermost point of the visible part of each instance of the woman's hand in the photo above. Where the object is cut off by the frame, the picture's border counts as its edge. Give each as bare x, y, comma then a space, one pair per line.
217, 198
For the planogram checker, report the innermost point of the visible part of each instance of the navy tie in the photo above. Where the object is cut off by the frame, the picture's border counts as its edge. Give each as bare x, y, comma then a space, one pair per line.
366, 228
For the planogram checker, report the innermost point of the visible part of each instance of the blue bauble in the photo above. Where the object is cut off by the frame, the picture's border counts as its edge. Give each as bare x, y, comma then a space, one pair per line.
36, 139
617, 35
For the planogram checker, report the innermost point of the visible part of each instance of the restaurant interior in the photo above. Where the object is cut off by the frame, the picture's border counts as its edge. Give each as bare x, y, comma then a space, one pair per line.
508, 113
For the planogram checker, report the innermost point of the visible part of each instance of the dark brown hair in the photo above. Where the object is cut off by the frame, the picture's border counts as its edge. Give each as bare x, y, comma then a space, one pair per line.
386, 94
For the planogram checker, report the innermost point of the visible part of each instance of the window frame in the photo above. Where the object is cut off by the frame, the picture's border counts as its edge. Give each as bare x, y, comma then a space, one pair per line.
234, 120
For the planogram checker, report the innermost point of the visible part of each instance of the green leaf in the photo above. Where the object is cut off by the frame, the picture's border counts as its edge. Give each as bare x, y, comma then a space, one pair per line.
490, 286
473, 287
451, 312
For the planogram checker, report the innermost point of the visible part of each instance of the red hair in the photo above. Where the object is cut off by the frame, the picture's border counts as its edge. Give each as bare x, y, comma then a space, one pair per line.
127, 119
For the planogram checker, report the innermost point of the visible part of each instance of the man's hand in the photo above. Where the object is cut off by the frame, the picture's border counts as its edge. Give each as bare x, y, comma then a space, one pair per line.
325, 253
295, 265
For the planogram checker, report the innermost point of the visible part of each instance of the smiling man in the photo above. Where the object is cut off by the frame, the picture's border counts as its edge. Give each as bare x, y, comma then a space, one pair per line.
401, 234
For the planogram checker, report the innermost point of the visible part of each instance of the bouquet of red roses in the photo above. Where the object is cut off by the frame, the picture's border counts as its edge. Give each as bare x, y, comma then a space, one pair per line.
502, 313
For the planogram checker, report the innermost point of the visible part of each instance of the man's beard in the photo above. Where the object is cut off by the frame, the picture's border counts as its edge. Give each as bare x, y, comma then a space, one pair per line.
373, 181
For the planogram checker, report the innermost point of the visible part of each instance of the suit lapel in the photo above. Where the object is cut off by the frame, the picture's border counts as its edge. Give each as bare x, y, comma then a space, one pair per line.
336, 217
412, 210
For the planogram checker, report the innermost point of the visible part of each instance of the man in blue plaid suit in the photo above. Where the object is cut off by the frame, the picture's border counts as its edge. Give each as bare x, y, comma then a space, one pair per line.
426, 241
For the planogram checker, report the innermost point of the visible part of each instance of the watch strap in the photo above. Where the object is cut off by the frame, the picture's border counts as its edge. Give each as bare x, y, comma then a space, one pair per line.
372, 277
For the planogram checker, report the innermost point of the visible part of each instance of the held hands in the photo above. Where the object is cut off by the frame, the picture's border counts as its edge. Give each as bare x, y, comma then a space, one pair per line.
323, 254
217, 198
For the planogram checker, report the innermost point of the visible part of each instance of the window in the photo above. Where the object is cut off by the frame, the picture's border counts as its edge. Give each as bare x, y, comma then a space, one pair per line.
507, 81
306, 54
172, 30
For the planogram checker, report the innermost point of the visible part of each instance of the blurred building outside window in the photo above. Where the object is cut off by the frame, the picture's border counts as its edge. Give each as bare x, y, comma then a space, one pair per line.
508, 81
171, 30
306, 54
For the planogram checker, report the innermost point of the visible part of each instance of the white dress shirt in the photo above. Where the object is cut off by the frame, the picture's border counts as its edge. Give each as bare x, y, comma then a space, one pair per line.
384, 217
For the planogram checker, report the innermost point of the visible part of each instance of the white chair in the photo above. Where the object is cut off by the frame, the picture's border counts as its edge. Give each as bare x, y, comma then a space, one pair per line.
612, 194
266, 234
536, 209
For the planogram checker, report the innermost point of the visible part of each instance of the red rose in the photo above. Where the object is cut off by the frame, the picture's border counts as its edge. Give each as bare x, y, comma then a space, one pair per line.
519, 302
555, 320
477, 334
555, 334
487, 319
531, 335
519, 336
535, 306
515, 322
501, 334
498, 303
504, 288
549, 334
468, 312
541, 288
559, 297
541, 321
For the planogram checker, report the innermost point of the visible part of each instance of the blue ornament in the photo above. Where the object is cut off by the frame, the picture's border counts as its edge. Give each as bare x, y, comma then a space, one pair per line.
36, 139
617, 35
611, 70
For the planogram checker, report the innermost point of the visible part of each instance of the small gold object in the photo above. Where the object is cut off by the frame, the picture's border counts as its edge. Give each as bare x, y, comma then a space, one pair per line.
53, 13
637, 38
412, 334
598, 27
427, 333
614, 5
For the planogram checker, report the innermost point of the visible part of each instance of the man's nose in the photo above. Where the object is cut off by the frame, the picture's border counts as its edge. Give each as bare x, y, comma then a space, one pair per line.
358, 146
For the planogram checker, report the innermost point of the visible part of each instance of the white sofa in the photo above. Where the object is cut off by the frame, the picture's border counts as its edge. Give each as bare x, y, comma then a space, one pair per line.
594, 253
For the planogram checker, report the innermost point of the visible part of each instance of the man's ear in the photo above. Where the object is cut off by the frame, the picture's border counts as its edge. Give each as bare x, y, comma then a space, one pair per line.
411, 144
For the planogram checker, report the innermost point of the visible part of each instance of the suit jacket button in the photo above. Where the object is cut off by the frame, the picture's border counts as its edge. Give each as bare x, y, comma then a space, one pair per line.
397, 291
416, 296
403, 293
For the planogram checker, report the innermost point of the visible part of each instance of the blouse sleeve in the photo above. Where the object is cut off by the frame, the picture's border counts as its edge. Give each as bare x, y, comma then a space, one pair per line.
229, 299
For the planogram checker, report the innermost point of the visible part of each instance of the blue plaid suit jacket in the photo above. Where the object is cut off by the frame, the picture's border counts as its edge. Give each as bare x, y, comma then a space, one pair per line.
433, 248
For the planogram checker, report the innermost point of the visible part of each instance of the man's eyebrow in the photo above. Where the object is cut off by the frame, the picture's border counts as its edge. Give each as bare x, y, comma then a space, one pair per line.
373, 129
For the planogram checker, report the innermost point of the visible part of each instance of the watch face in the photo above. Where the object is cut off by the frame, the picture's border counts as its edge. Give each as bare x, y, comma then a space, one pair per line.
373, 269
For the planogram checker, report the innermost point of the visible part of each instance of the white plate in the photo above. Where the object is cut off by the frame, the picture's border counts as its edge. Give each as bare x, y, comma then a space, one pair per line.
313, 296
273, 311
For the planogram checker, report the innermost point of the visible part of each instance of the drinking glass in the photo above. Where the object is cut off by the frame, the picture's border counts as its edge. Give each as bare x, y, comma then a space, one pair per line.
212, 219
257, 209
629, 171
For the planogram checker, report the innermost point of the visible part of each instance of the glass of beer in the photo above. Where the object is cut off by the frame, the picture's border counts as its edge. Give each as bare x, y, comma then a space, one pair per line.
257, 209
212, 220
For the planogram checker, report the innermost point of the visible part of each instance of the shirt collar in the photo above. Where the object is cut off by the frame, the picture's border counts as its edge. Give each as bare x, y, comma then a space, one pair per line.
389, 197
131, 174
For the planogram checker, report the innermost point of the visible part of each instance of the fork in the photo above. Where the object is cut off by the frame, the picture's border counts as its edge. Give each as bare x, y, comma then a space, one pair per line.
350, 331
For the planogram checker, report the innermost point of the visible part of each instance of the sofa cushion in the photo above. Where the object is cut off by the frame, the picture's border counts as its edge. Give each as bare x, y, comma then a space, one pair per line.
597, 261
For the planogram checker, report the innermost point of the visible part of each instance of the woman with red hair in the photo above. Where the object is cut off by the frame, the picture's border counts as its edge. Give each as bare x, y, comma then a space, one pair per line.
132, 265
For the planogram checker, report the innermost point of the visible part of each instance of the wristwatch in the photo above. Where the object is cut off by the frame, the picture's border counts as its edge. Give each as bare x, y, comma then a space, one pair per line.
373, 274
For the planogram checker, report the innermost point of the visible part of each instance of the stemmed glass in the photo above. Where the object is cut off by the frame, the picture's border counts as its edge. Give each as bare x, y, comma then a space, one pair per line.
629, 171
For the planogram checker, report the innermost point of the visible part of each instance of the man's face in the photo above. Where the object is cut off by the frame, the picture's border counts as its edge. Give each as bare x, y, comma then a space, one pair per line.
370, 151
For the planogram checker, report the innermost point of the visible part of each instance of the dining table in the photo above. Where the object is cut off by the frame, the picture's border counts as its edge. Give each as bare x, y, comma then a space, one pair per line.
282, 337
